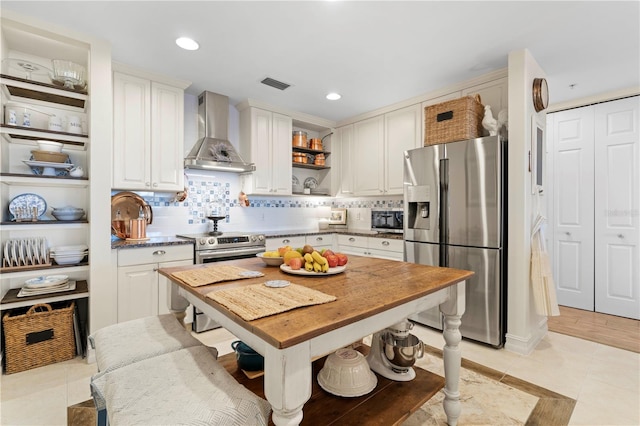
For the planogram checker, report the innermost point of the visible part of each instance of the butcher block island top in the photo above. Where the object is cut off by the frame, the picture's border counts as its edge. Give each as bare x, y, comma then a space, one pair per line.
370, 295
368, 286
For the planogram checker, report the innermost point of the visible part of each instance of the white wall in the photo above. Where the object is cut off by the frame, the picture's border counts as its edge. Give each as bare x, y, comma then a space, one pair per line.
524, 327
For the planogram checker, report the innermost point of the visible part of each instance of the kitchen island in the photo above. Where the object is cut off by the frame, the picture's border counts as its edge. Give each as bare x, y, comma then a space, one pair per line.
371, 294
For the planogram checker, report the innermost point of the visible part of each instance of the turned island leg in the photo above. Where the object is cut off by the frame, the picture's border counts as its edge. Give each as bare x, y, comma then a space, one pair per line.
452, 310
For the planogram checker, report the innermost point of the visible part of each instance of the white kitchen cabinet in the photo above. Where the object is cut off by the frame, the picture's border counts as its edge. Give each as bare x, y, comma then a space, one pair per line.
402, 132
492, 93
378, 146
368, 150
384, 248
142, 291
295, 242
319, 242
148, 132
345, 145
265, 140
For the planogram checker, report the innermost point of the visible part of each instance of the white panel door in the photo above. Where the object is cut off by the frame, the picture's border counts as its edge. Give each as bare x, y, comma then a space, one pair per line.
281, 154
368, 139
167, 128
402, 132
617, 217
261, 149
137, 291
573, 207
346, 159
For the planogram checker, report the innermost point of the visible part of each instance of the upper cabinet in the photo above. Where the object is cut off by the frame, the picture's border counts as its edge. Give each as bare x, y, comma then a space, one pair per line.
375, 155
344, 143
265, 140
148, 131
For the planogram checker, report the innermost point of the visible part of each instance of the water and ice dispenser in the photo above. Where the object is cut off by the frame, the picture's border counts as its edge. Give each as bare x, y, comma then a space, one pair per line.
417, 199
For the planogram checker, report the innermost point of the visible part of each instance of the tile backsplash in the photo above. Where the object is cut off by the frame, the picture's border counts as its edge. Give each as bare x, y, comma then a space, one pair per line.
264, 213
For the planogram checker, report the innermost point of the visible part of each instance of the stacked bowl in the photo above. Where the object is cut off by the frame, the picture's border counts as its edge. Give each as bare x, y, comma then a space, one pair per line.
68, 213
69, 255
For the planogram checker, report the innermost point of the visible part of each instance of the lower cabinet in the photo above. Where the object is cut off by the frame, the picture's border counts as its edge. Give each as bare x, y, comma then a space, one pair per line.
294, 242
142, 291
383, 248
319, 242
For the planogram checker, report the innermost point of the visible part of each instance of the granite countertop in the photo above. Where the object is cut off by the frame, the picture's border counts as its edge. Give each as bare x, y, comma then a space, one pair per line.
117, 244
151, 242
345, 231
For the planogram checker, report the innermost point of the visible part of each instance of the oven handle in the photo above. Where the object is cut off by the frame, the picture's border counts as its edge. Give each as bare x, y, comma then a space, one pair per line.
217, 254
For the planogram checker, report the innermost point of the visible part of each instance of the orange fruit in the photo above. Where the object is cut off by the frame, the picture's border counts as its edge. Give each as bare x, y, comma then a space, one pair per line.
291, 254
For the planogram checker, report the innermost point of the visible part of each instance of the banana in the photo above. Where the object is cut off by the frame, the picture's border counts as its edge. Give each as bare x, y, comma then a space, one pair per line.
316, 256
317, 267
308, 266
325, 267
308, 258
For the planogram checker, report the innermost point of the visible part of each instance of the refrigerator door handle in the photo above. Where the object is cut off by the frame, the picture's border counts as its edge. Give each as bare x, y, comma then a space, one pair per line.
444, 211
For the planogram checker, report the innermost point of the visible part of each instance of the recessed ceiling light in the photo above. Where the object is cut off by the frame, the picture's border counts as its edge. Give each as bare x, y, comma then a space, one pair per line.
187, 43
333, 96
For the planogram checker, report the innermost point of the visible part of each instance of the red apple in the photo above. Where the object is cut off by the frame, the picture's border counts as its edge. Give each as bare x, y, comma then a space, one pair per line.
332, 260
327, 252
342, 259
295, 263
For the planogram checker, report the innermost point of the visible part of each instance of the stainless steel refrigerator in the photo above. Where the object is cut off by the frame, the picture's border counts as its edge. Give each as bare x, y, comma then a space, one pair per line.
454, 215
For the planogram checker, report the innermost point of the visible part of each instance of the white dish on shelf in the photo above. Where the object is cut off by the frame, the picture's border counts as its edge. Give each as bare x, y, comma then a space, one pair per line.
49, 168
46, 281
310, 183
68, 286
302, 271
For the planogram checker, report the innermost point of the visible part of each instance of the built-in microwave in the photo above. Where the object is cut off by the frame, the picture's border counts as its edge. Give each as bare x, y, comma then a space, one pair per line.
387, 220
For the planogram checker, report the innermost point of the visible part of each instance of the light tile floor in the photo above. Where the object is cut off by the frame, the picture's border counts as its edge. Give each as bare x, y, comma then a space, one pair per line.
604, 380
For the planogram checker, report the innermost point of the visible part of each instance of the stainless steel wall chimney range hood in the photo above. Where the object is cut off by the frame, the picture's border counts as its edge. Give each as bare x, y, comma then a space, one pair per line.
213, 151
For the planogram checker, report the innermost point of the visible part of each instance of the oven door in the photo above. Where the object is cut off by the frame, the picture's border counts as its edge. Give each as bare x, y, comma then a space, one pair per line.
201, 322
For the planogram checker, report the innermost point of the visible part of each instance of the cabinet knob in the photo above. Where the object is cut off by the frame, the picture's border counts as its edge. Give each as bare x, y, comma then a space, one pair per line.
620, 236
286, 241
147, 184
352, 239
568, 233
319, 239
385, 243
159, 252
155, 184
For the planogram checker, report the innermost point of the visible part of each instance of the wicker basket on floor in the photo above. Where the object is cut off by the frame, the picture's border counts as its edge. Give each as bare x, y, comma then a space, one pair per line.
41, 336
455, 120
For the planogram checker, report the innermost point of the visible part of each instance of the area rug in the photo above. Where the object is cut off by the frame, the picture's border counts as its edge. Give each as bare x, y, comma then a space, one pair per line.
489, 397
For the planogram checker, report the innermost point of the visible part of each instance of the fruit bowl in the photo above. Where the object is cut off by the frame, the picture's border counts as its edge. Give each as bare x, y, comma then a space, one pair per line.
271, 261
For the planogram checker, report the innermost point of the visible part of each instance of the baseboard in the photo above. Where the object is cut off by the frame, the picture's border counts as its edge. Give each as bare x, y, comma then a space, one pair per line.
526, 345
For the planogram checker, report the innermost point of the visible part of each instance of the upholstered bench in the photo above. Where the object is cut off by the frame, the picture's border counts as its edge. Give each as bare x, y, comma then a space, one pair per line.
127, 342
187, 386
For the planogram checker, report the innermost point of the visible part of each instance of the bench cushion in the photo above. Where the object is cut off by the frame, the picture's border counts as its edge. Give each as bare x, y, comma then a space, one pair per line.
127, 342
187, 387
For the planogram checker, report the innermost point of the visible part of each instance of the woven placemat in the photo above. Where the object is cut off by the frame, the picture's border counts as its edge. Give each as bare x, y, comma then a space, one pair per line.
258, 301
215, 274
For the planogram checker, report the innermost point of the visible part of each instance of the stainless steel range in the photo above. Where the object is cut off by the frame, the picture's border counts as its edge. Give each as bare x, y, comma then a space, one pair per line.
223, 246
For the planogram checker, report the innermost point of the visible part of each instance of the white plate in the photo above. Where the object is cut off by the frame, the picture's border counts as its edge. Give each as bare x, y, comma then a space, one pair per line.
277, 283
69, 286
46, 281
6, 255
302, 271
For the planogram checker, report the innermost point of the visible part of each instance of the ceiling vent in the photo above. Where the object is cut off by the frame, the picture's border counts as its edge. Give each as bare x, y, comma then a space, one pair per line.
275, 83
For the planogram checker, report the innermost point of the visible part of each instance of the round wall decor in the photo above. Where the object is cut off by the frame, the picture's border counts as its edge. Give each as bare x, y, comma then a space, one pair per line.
540, 94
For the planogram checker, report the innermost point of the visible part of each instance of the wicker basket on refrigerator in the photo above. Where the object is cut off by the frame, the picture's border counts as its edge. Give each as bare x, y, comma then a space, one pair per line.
41, 336
454, 120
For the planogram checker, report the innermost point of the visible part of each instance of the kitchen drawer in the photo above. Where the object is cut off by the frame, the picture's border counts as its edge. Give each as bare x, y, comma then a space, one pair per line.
386, 254
294, 242
386, 244
155, 254
320, 241
352, 241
